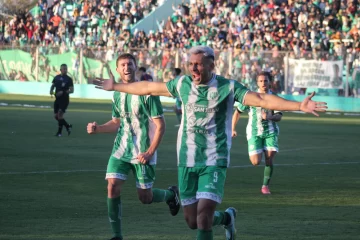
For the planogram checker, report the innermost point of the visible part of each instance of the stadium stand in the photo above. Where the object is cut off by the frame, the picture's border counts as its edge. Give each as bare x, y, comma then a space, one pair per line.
248, 36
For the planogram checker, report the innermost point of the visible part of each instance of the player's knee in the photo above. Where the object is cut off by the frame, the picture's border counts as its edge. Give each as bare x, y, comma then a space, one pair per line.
113, 190
255, 160
145, 198
204, 220
191, 222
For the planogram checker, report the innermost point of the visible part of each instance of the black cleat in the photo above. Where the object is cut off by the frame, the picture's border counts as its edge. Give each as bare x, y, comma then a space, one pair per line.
174, 204
69, 129
116, 238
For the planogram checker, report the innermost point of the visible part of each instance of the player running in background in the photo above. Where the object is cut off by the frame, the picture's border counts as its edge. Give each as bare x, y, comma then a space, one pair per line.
261, 131
204, 138
140, 125
64, 86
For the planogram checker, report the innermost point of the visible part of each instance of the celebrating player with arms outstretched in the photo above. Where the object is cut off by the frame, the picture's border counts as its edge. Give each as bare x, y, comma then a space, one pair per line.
204, 138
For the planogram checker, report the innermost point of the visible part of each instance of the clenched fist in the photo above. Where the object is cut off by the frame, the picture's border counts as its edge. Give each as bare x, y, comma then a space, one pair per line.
91, 128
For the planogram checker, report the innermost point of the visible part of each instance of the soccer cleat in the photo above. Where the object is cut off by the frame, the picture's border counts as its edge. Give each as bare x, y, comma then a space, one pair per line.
116, 238
265, 190
230, 230
58, 135
174, 204
69, 129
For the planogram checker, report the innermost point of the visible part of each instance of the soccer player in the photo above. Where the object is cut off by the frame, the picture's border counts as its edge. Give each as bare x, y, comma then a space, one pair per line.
176, 72
64, 86
204, 138
144, 76
140, 125
261, 131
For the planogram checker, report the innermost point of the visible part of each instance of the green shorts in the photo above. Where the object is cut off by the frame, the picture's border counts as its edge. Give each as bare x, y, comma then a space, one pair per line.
201, 182
144, 174
258, 144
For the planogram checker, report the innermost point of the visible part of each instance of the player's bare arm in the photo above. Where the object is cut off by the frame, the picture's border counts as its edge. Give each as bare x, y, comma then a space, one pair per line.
52, 89
159, 133
109, 127
136, 88
235, 119
272, 102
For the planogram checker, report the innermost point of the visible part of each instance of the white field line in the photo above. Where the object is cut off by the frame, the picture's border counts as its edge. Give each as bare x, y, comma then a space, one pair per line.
170, 169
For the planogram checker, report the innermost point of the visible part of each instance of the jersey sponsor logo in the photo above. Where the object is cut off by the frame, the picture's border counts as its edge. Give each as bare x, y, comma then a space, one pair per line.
198, 122
201, 131
190, 107
210, 185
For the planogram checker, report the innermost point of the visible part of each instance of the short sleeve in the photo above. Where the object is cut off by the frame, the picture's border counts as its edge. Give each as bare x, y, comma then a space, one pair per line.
71, 83
241, 108
115, 104
171, 87
154, 106
239, 92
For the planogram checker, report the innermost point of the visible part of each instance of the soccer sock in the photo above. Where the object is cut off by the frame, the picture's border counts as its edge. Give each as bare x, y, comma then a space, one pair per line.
161, 195
204, 234
64, 123
60, 127
114, 213
268, 171
221, 218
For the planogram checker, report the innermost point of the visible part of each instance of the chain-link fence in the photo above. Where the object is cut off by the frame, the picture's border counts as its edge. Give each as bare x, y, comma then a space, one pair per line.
298, 72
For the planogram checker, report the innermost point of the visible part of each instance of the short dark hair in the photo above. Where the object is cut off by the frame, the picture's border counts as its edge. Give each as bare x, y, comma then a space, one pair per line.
63, 65
265, 74
125, 56
143, 69
177, 71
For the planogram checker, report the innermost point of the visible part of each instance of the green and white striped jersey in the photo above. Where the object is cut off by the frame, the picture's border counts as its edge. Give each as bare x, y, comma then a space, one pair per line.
137, 128
204, 137
256, 125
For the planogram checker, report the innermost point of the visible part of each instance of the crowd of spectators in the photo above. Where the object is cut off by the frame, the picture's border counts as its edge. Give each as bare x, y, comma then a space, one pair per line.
248, 35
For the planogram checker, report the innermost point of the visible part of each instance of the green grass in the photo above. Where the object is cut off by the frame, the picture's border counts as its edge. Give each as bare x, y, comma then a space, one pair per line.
54, 188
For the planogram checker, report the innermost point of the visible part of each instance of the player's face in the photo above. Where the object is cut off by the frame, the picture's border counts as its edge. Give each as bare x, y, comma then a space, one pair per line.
263, 84
200, 68
127, 69
63, 70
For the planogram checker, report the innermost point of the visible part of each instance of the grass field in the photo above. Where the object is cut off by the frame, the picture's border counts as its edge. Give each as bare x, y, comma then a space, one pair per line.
54, 188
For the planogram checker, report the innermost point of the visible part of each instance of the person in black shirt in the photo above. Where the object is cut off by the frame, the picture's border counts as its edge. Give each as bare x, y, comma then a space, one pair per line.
63, 86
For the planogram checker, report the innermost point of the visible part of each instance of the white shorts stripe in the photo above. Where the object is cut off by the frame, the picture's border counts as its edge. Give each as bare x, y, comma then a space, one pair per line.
189, 201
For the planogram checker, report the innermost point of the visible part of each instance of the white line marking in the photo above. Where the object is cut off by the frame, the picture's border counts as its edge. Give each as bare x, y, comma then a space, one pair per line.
171, 169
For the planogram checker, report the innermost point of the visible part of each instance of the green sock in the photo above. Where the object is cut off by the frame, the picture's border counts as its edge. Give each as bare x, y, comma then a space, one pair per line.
268, 171
161, 195
204, 234
220, 218
114, 213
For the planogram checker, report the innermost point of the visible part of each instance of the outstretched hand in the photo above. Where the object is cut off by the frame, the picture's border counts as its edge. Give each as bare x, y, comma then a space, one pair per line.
310, 106
105, 84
